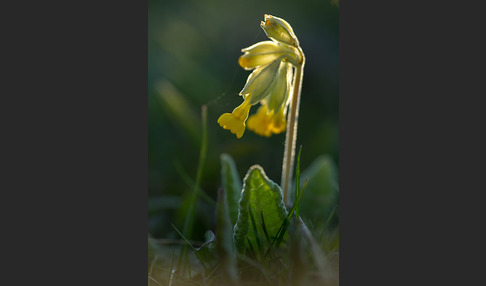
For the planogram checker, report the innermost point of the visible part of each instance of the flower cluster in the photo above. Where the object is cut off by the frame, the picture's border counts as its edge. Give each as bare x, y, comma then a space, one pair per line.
269, 84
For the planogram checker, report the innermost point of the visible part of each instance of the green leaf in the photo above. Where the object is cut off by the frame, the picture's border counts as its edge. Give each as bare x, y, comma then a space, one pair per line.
231, 184
263, 197
322, 190
224, 237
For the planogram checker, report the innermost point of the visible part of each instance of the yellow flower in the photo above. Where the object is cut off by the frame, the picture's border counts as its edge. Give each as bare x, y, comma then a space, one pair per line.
270, 82
235, 121
266, 123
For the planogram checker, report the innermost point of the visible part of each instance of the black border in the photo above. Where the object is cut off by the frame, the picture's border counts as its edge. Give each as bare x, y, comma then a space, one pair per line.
74, 149
409, 119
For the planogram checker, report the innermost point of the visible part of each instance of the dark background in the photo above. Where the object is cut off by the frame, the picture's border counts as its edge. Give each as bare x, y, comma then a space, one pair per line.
193, 51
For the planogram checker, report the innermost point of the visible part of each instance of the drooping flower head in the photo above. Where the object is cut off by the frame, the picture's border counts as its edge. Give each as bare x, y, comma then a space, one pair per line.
270, 82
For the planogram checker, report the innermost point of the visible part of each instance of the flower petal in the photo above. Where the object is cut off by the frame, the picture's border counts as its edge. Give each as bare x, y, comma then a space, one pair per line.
232, 123
265, 123
235, 121
265, 47
250, 61
263, 53
260, 122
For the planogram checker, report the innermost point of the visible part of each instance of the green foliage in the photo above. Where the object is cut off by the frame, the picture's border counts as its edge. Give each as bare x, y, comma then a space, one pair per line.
322, 190
269, 245
295, 207
260, 197
231, 183
224, 237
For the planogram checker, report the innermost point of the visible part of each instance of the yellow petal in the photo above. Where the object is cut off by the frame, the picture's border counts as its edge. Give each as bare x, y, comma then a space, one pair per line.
266, 123
259, 124
232, 123
235, 121
279, 124
241, 112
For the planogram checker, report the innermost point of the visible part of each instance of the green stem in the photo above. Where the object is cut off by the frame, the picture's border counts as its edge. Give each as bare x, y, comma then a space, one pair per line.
291, 136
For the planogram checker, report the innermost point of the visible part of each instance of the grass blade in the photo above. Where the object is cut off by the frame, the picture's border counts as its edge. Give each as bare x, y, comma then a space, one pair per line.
265, 229
189, 222
283, 228
190, 183
251, 246
296, 203
257, 234
329, 220
185, 257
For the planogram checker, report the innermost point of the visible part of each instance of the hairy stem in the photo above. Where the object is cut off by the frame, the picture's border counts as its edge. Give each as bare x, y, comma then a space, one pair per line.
291, 135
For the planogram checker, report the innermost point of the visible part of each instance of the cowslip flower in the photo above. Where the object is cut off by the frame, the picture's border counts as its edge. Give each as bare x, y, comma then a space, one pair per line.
269, 84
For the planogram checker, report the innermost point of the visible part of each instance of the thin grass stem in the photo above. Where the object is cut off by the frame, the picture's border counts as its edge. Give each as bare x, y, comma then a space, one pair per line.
189, 222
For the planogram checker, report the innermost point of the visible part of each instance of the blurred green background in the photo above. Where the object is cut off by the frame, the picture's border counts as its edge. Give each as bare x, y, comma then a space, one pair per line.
193, 51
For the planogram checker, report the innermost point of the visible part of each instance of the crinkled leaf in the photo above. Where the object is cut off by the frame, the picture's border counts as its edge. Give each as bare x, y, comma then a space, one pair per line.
263, 197
231, 183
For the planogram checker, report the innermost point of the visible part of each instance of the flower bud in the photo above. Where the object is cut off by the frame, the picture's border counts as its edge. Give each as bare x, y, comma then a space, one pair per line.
279, 30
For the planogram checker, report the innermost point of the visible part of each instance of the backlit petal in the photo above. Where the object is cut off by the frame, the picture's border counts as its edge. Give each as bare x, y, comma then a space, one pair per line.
235, 121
